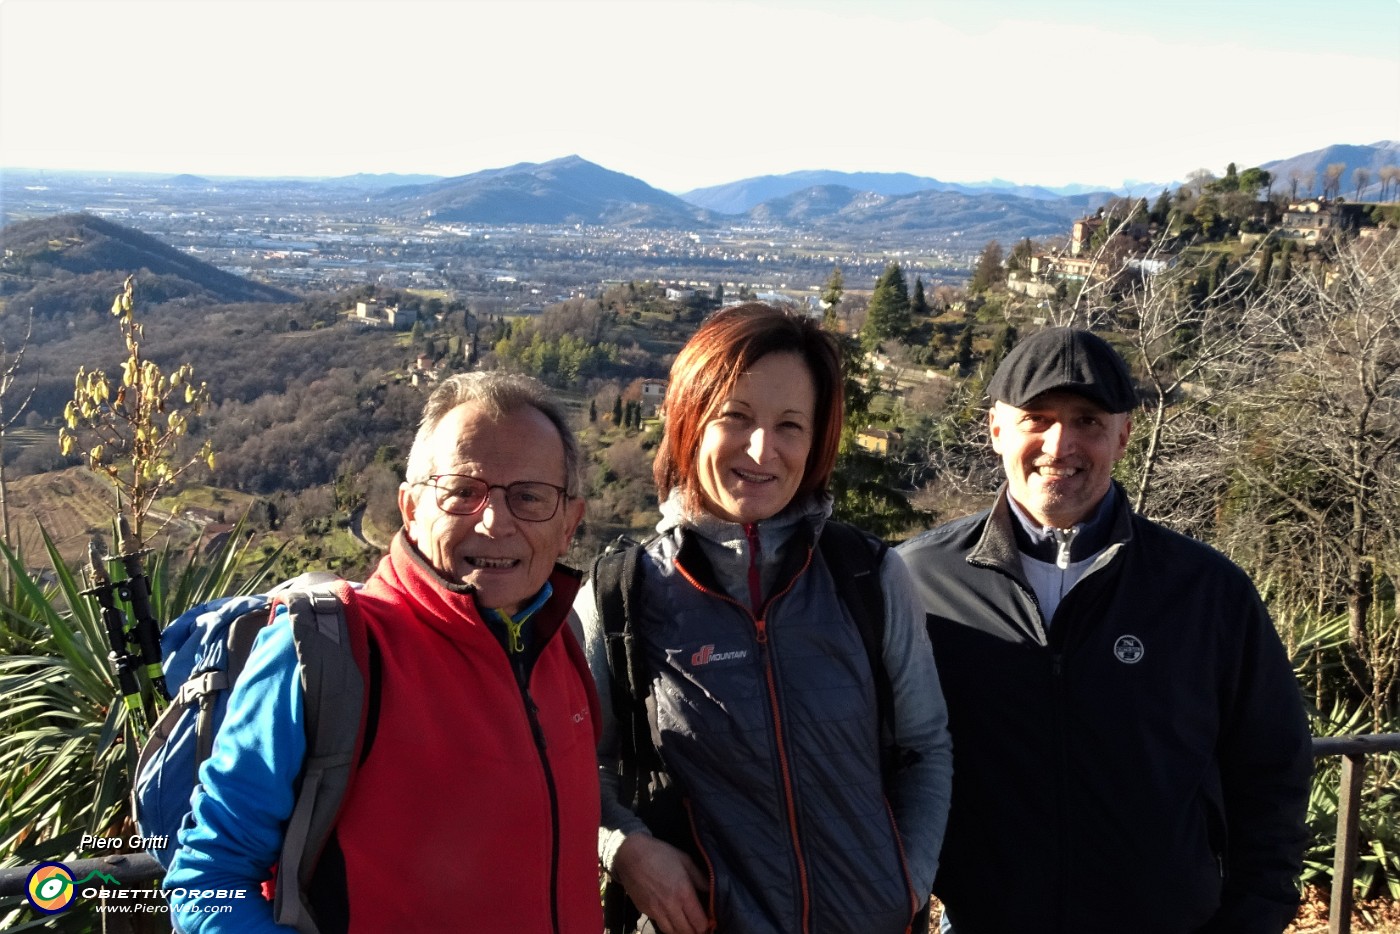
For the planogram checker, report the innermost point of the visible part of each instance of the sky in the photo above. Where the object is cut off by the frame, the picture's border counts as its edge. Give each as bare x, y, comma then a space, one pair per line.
690, 93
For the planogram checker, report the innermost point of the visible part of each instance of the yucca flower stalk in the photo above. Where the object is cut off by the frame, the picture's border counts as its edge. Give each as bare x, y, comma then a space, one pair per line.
68, 746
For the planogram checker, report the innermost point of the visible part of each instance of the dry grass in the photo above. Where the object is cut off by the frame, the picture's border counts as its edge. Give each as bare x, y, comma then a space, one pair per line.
1380, 916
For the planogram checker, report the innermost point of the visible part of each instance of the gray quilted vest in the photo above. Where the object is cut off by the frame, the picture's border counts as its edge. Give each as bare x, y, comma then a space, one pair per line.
771, 731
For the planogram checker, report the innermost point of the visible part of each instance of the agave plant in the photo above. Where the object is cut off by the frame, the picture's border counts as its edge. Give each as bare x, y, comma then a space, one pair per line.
68, 745
1378, 862
1314, 642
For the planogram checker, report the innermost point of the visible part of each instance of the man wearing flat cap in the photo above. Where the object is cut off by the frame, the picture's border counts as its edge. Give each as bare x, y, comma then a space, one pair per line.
1130, 750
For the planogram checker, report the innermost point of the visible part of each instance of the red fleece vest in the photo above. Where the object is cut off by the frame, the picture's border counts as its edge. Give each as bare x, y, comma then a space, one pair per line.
451, 822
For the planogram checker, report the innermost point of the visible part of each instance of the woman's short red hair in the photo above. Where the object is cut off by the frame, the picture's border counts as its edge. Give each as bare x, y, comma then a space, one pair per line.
726, 347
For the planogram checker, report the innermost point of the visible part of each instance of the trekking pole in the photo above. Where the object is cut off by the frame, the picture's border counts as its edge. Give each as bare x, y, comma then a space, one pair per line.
136, 590
123, 661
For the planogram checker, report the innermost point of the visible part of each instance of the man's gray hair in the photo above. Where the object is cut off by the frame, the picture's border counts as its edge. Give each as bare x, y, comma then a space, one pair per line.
499, 394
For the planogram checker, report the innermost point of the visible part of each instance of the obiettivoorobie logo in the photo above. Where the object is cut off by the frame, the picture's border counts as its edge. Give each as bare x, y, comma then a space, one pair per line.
51, 887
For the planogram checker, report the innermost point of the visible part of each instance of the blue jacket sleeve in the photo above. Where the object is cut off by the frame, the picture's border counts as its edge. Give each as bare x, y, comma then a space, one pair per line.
245, 795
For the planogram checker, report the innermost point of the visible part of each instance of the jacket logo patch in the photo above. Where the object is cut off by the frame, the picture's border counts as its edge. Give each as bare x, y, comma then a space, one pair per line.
708, 654
1129, 650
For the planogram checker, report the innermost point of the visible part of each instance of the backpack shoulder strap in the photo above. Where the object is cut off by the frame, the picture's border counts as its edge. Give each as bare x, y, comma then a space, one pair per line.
333, 648
617, 593
203, 687
854, 558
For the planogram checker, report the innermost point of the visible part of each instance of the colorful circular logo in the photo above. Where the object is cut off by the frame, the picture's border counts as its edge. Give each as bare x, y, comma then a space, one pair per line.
50, 888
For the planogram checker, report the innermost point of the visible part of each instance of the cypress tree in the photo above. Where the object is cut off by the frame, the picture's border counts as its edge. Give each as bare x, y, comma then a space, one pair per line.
918, 305
965, 347
989, 270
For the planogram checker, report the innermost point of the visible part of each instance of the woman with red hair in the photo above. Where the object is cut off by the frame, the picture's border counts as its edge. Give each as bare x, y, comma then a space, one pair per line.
779, 790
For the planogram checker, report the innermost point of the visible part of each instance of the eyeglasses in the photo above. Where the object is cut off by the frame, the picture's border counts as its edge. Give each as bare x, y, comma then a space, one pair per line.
529, 500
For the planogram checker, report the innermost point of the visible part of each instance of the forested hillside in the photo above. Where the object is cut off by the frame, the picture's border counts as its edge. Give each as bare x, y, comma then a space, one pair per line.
64, 265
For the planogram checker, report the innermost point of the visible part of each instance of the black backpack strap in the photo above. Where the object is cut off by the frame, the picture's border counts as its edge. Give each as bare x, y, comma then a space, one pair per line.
617, 590
854, 558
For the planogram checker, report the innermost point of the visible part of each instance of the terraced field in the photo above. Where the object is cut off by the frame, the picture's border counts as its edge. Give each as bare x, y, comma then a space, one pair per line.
72, 505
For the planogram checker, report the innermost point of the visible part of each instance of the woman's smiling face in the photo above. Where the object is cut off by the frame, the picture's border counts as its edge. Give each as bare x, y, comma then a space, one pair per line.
753, 452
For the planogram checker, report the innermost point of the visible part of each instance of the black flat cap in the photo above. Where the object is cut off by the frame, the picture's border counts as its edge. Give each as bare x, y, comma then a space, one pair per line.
1064, 358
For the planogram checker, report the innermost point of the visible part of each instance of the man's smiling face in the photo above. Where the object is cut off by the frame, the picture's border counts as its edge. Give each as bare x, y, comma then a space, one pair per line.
506, 559
1058, 453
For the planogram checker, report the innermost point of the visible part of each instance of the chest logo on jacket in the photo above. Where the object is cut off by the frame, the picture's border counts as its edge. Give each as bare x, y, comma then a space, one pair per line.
1129, 650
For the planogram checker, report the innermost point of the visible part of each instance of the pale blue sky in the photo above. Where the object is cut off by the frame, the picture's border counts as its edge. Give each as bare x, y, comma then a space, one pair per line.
686, 93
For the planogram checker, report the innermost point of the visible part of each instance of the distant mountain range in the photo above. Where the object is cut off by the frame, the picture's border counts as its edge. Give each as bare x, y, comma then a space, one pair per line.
1314, 165
745, 195
93, 255
973, 218
573, 190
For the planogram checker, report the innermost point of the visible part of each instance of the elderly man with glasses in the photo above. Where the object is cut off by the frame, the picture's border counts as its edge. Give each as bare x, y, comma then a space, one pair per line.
475, 802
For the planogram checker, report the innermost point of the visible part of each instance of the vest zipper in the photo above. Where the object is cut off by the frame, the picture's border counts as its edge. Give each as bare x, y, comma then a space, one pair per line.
532, 713
914, 905
779, 740
711, 913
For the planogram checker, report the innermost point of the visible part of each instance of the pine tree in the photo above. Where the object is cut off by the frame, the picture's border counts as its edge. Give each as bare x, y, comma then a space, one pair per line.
592, 410
617, 412
888, 315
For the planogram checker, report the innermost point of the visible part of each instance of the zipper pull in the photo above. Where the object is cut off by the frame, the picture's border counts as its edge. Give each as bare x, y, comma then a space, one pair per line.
517, 644
1063, 539
514, 641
